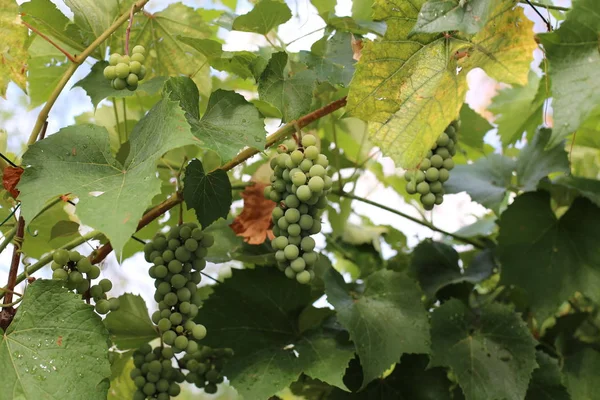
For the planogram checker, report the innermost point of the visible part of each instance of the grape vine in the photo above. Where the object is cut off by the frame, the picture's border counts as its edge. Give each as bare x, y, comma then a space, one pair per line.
126, 71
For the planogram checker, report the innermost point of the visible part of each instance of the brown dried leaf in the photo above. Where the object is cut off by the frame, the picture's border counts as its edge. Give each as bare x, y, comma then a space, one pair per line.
357, 46
11, 178
254, 222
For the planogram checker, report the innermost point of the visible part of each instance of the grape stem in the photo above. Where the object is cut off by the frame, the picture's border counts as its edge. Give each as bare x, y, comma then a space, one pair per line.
128, 31
426, 224
78, 60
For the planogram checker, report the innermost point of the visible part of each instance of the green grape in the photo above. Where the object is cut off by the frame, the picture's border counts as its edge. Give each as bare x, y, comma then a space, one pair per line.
280, 242
316, 227
175, 266
110, 72
409, 176
307, 244
138, 49
169, 337
436, 187
138, 57
419, 176
75, 277
297, 156
106, 285
283, 224
161, 271
432, 174
132, 80
425, 164
182, 254
119, 84
122, 70
74, 256
149, 388
448, 164
317, 170
60, 274
114, 303
114, 59
309, 140
292, 201
289, 273
444, 175
316, 184
305, 222
294, 230
96, 291
428, 199
322, 160
199, 263
439, 199
280, 256
171, 299
178, 281
207, 240
54, 266
305, 165
298, 265
443, 152
164, 324
311, 152
443, 140
303, 277
299, 178
304, 193
411, 187
292, 215
180, 342
437, 161
310, 257
291, 252
423, 188
102, 306
139, 381
199, 332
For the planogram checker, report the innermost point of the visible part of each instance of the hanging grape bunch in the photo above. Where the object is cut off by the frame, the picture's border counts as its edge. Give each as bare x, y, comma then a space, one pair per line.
77, 271
126, 71
299, 185
154, 374
205, 367
434, 170
178, 258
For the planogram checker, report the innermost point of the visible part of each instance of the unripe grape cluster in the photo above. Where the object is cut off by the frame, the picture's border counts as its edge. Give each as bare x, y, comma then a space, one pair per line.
125, 72
77, 271
434, 170
154, 374
205, 367
178, 258
299, 186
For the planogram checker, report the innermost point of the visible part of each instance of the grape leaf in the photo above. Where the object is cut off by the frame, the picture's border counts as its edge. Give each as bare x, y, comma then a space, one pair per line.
130, 326
266, 15
324, 7
46, 67
581, 374
331, 58
445, 16
409, 89
209, 194
99, 88
546, 381
13, 55
242, 63
435, 264
574, 63
491, 352
55, 345
533, 254
362, 9
122, 386
487, 179
46, 18
384, 322
256, 313
292, 95
254, 222
588, 188
229, 123
519, 109
473, 128
112, 196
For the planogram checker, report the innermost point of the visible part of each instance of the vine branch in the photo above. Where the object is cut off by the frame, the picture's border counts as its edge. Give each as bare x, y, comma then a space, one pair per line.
411, 218
77, 61
128, 31
14, 265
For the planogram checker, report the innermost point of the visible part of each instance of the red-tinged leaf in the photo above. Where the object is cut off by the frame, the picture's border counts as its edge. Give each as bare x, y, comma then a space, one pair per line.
254, 222
10, 179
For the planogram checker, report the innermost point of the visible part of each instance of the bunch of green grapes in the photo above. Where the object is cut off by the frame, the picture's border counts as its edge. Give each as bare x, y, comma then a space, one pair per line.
126, 71
178, 258
154, 374
77, 271
205, 367
434, 170
299, 186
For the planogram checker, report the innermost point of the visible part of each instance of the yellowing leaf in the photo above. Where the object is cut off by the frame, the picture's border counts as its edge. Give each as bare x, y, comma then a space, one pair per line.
13, 53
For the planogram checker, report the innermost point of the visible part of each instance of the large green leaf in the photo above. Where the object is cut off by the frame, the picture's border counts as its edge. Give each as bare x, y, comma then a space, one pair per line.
408, 88
519, 109
384, 322
112, 195
454, 15
130, 326
589, 188
548, 257
266, 15
229, 123
99, 88
488, 179
46, 67
581, 374
473, 128
490, 351
546, 381
574, 63
290, 93
331, 58
46, 18
209, 194
14, 51
256, 313
56, 347
122, 386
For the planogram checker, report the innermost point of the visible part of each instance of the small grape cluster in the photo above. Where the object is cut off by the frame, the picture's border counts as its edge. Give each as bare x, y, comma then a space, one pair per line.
178, 258
205, 367
434, 170
126, 71
154, 374
299, 185
77, 271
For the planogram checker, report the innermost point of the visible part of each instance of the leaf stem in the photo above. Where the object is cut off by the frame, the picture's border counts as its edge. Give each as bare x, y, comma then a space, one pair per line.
14, 265
78, 60
116, 112
47, 39
549, 6
411, 218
